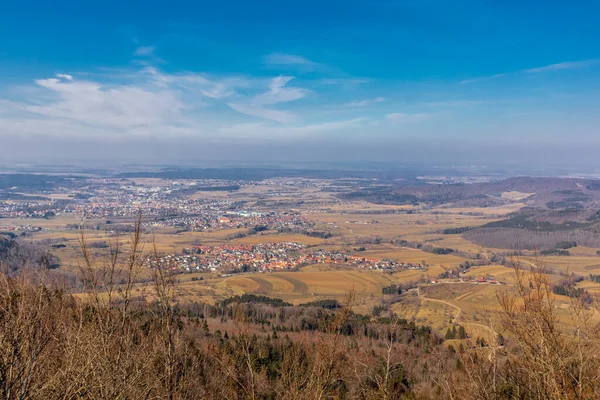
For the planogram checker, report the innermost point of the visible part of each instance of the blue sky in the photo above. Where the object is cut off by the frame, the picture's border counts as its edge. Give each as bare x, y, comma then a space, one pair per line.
375, 73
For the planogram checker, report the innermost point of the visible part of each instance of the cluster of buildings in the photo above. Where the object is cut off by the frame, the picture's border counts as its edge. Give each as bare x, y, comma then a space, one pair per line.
20, 228
265, 257
214, 219
236, 257
168, 204
25, 209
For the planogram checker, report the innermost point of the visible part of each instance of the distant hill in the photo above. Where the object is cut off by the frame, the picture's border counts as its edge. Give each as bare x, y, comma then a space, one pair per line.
552, 193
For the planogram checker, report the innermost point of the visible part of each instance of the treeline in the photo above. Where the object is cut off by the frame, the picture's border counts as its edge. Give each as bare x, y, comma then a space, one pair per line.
456, 334
555, 252
442, 250
456, 231
523, 239
537, 220
252, 298
307, 232
435, 250
559, 249
571, 291
328, 304
381, 196
194, 189
392, 289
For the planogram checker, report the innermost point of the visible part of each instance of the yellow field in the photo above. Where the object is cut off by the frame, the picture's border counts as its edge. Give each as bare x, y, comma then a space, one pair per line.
295, 287
302, 239
497, 271
408, 255
584, 251
394, 225
591, 287
515, 196
489, 211
304, 285
582, 265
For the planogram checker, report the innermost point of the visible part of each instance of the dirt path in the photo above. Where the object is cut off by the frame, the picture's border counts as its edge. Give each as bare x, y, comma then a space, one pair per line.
455, 319
422, 297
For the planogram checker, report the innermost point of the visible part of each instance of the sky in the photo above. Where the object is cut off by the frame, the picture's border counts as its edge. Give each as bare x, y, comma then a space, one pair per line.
429, 81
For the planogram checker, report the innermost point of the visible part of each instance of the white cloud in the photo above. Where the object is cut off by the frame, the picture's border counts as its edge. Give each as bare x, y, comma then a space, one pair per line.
403, 117
364, 103
120, 106
65, 76
144, 51
150, 102
144, 102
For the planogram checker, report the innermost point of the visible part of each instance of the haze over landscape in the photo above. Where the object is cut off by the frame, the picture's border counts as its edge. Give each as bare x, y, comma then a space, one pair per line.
461, 82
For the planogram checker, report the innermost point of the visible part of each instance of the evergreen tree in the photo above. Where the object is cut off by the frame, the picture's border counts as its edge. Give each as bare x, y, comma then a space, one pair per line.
449, 334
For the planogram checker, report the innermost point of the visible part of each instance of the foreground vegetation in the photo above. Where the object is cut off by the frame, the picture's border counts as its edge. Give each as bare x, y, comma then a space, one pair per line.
110, 341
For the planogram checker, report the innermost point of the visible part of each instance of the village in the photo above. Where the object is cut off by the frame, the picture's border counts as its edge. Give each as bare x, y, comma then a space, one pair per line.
266, 257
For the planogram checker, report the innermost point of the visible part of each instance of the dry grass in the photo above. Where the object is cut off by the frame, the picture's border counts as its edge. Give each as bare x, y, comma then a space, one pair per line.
303, 239
516, 196
488, 211
408, 255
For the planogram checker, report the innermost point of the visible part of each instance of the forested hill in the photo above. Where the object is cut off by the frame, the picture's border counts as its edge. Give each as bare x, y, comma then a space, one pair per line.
15, 255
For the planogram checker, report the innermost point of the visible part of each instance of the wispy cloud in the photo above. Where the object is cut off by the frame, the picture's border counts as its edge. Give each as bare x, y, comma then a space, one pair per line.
364, 103
482, 79
567, 65
344, 81
146, 101
144, 51
453, 103
269, 131
255, 110
562, 66
404, 117
199, 83
278, 92
289, 59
